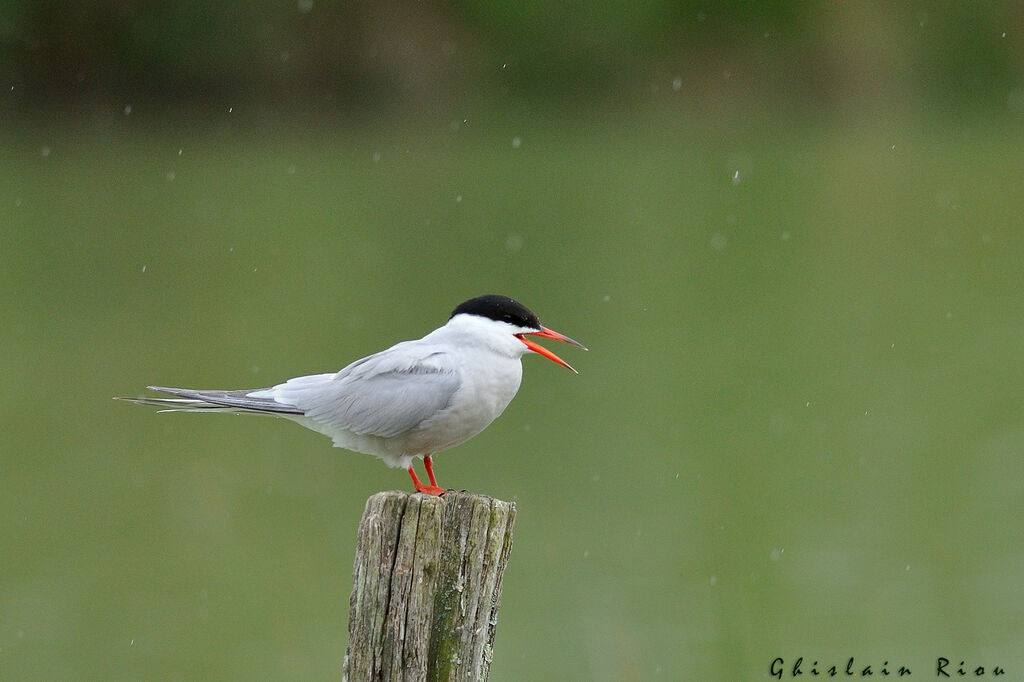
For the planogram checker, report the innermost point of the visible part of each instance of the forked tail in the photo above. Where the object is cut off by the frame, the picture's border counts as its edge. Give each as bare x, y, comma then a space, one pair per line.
192, 400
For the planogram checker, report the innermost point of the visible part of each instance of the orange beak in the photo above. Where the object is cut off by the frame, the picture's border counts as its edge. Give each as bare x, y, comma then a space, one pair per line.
549, 334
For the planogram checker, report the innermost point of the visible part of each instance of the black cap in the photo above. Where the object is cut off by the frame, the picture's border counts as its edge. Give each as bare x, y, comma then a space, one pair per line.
500, 308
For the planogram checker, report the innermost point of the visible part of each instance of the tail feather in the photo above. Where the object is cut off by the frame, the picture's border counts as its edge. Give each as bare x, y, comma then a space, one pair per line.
192, 400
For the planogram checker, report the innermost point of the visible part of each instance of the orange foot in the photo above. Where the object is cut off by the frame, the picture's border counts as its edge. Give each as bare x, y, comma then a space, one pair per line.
431, 489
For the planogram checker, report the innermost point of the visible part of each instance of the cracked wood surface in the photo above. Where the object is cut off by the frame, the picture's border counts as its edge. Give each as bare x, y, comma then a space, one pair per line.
426, 587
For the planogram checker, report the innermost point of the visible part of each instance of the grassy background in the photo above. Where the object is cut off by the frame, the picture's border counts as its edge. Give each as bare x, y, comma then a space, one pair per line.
790, 234
798, 431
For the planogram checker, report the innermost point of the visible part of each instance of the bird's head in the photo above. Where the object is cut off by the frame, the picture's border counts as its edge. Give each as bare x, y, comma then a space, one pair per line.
512, 318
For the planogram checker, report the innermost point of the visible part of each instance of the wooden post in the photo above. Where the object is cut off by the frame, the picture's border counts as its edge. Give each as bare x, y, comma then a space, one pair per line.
426, 587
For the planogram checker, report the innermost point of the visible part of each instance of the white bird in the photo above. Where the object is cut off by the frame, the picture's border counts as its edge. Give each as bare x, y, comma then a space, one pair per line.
414, 399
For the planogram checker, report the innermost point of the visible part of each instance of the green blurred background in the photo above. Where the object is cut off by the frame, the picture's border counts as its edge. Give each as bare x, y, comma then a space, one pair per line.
791, 235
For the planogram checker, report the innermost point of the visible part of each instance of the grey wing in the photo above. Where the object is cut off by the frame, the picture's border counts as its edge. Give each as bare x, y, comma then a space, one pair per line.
383, 395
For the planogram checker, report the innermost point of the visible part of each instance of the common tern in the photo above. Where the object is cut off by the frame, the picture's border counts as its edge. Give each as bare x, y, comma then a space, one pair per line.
412, 400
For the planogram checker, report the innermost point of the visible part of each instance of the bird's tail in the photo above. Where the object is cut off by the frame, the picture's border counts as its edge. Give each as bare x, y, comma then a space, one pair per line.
192, 400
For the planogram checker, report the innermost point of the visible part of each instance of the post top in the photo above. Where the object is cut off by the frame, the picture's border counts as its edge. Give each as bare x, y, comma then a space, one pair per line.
459, 496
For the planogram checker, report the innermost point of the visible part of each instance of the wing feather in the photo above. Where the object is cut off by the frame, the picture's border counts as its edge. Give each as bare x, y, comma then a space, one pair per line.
384, 395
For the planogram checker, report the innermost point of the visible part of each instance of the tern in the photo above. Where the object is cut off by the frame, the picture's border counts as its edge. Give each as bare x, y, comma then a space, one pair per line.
412, 400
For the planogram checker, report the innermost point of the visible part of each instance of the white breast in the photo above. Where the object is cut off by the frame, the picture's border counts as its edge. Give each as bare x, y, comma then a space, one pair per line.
488, 386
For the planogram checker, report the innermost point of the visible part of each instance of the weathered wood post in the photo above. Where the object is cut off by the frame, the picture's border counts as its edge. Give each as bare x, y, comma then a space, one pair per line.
426, 587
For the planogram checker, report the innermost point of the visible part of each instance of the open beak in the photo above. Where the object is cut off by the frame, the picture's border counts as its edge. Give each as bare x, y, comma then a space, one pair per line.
549, 334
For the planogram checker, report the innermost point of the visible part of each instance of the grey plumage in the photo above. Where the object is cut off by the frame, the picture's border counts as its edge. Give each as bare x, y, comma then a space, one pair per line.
374, 405
194, 400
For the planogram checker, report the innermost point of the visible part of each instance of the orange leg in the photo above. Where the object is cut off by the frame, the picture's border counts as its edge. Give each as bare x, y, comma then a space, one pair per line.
431, 489
429, 464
